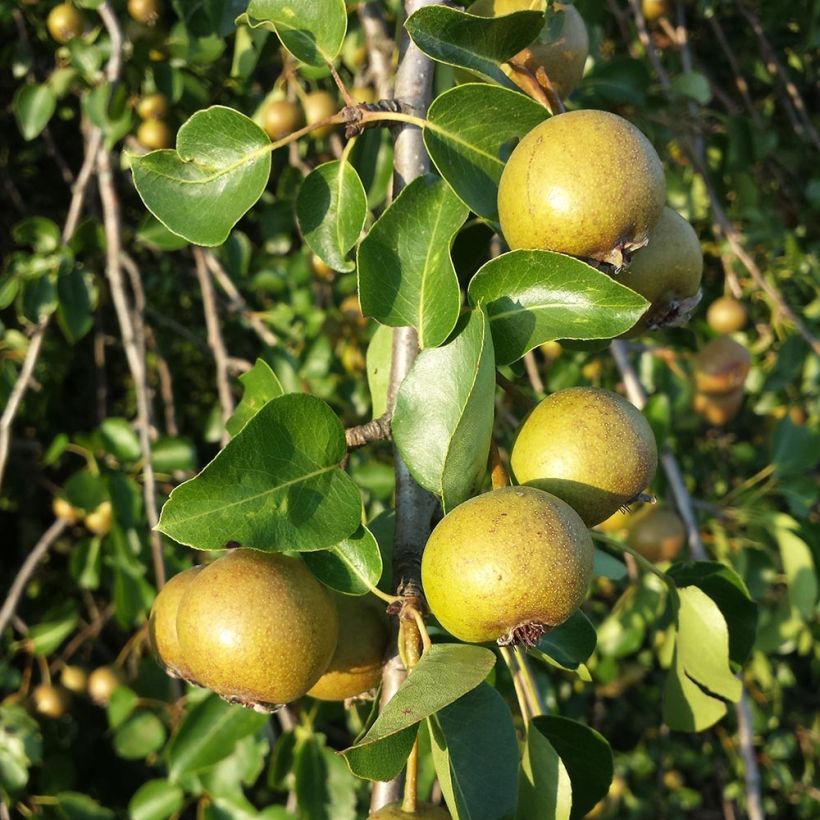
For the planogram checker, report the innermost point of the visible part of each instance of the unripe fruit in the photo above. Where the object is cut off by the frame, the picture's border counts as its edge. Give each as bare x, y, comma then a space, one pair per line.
726, 315
152, 107
586, 183
667, 272
146, 12
424, 811
356, 665
617, 522
282, 117
74, 679
154, 134
321, 268
721, 366
589, 447
363, 94
63, 509
507, 564
654, 9
318, 106
162, 625
50, 701
257, 628
99, 520
102, 682
563, 57
64, 22
658, 534
719, 409
551, 350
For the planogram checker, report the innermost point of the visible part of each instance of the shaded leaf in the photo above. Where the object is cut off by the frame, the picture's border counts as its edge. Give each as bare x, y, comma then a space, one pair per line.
353, 566
33, 107
261, 385
155, 800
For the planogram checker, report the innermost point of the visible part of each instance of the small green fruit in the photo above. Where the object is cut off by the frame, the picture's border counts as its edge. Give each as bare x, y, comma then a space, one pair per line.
589, 447
50, 701
257, 628
657, 533
667, 272
424, 811
721, 367
507, 564
102, 682
356, 666
74, 679
282, 117
64, 22
586, 183
318, 106
726, 315
162, 625
154, 134
146, 12
152, 107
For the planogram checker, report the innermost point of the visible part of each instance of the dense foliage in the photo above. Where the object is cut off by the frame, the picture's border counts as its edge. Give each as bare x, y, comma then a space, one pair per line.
215, 345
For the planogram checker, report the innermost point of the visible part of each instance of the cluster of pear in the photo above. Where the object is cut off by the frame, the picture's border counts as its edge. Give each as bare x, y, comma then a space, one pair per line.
510, 564
97, 521
65, 21
53, 701
153, 132
258, 629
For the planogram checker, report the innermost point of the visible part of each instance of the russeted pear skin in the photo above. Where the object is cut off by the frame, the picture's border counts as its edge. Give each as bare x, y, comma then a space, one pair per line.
562, 57
657, 533
667, 271
424, 811
585, 183
162, 624
356, 665
257, 628
505, 561
590, 447
719, 409
721, 366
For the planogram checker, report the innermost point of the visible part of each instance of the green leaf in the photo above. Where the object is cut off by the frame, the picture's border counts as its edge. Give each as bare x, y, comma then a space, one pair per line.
219, 170
155, 800
331, 208
477, 43
261, 385
379, 362
570, 644
77, 295
442, 676
276, 486
353, 566
470, 134
795, 448
76, 806
475, 751
38, 232
156, 236
406, 275
120, 440
170, 454
208, 734
533, 297
686, 707
33, 106
444, 412
312, 32
325, 788
53, 628
140, 735
694, 85
544, 786
798, 566
586, 755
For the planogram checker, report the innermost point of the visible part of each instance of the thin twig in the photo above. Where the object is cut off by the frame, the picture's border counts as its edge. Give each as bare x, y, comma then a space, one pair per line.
25, 572
375, 430
237, 301
215, 341
379, 48
751, 771
531, 366
166, 384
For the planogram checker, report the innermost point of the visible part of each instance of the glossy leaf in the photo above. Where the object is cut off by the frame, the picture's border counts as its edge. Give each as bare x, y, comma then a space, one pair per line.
686, 707
261, 385
313, 32
476, 43
331, 208
406, 275
120, 440
76, 294
33, 106
475, 751
155, 800
442, 676
544, 786
570, 644
138, 736
470, 134
444, 412
533, 297
379, 359
798, 566
208, 734
586, 755
353, 566
218, 171
276, 486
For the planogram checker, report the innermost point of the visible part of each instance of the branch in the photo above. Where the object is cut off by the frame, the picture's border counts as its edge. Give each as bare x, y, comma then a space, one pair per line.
379, 48
375, 430
215, 341
414, 506
751, 771
25, 572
